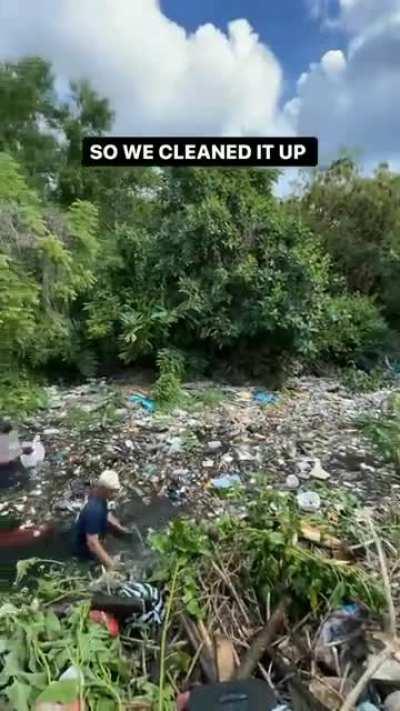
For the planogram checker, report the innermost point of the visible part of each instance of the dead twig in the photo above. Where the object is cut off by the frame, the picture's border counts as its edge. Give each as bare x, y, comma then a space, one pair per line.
352, 698
231, 587
263, 640
386, 580
391, 644
206, 663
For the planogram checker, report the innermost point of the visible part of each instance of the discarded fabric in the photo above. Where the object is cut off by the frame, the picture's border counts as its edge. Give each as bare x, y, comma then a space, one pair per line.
146, 402
265, 398
342, 627
150, 598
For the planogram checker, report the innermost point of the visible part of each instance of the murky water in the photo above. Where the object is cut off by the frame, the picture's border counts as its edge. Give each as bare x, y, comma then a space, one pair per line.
133, 548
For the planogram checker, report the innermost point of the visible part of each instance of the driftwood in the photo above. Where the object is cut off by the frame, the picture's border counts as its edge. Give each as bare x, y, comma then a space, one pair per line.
263, 640
206, 661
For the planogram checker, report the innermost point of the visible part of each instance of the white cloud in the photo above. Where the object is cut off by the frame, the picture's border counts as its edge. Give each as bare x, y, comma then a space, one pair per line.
358, 15
162, 80
352, 100
158, 78
333, 62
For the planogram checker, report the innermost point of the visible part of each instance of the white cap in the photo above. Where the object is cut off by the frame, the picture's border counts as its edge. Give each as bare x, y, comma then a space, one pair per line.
110, 480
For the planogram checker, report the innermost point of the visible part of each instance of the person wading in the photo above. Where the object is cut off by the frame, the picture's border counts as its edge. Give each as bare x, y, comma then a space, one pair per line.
95, 519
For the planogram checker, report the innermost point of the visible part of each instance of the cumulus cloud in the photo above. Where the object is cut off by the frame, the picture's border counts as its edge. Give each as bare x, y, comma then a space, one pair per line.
352, 99
357, 15
159, 78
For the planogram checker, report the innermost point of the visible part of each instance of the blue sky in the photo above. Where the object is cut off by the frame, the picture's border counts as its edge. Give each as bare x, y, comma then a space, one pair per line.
295, 35
325, 68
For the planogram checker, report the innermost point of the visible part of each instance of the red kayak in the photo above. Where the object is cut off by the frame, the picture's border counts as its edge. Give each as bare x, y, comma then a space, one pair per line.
23, 536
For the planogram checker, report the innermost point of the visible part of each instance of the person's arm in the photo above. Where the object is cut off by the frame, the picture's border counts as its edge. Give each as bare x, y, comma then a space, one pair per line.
96, 548
113, 521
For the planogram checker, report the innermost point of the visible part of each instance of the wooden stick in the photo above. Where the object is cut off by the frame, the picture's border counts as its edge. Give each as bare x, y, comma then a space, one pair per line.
231, 587
203, 633
262, 641
352, 698
206, 663
392, 643
386, 581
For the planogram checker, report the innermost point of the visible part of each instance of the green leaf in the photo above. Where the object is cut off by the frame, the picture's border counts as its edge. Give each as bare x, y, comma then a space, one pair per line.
37, 680
61, 692
105, 705
19, 695
4, 645
11, 668
52, 624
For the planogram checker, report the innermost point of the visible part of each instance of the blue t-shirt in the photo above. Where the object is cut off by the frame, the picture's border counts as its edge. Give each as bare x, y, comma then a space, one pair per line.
92, 521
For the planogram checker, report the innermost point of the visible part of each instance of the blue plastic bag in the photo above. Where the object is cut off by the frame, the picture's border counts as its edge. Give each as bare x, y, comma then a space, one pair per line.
146, 402
265, 398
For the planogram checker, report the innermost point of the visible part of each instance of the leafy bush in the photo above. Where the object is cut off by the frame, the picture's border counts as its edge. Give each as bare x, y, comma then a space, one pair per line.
20, 395
47, 263
101, 265
384, 431
263, 551
358, 381
358, 219
351, 326
168, 389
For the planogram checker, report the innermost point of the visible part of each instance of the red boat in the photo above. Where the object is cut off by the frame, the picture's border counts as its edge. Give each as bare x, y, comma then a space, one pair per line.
24, 536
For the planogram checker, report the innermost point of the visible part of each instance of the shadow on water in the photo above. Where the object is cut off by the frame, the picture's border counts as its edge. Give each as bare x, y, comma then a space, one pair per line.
58, 545
13, 477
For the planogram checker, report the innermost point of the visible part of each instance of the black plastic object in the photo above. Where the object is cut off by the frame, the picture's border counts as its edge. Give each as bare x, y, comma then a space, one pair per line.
248, 695
119, 607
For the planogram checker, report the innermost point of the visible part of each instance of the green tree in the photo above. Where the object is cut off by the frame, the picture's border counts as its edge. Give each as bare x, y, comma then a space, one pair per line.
358, 219
47, 263
44, 134
226, 266
30, 117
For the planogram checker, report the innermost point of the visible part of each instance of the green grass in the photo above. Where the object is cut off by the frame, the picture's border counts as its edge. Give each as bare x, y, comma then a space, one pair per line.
358, 381
106, 415
210, 399
20, 396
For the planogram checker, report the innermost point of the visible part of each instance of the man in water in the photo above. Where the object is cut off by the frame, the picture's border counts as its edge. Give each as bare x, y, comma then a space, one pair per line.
94, 520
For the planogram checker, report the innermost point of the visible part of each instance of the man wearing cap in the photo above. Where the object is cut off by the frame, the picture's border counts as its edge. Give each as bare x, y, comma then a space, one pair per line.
94, 520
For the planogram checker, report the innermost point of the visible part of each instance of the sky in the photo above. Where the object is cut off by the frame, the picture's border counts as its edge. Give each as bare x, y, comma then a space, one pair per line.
329, 68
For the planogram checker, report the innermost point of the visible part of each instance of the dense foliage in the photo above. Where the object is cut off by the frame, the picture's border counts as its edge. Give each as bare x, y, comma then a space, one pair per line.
101, 266
223, 574
358, 219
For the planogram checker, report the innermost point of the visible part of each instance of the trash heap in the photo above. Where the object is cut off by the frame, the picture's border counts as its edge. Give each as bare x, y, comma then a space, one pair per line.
273, 593
217, 438
277, 573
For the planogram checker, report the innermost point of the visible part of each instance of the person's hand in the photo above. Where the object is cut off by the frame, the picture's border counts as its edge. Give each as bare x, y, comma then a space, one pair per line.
116, 563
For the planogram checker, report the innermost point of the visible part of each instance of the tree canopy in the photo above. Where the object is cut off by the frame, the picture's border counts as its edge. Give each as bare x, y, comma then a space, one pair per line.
113, 265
